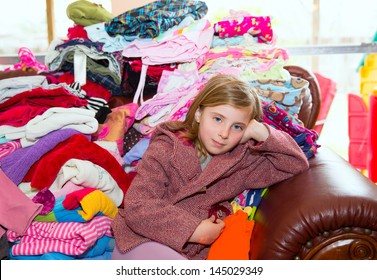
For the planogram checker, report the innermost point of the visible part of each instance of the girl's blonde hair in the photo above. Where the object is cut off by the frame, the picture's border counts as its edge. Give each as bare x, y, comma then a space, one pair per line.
219, 90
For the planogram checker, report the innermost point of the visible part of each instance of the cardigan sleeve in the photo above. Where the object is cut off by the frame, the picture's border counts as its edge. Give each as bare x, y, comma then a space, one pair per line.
148, 210
277, 158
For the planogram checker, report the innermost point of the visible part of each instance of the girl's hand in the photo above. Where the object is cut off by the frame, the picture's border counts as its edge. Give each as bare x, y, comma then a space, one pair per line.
255, 130
207, 231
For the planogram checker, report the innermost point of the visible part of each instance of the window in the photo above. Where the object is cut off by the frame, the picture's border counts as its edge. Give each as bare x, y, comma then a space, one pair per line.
23, 28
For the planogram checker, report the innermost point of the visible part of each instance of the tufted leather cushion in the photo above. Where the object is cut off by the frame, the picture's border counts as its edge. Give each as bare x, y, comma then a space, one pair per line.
326, 212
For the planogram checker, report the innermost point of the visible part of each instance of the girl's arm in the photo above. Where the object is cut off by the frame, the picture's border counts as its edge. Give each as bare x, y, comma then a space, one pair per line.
273, 158
147, 208
255, 130
207, 231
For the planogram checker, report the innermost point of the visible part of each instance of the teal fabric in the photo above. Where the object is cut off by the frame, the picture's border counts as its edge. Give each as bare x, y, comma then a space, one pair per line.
285, 94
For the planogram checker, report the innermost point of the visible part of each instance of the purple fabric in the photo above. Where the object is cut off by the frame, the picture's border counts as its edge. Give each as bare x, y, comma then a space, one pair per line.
278, 118
137, 151
18, 163
148, 251
47, 199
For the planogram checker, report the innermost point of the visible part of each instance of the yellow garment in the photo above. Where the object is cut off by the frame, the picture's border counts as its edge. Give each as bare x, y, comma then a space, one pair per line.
248, 209
96, 202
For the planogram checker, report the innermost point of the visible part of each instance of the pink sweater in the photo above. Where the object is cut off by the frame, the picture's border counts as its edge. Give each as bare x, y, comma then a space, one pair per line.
171, 194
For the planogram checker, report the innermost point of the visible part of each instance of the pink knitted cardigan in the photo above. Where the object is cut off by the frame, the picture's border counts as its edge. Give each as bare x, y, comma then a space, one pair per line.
171, 194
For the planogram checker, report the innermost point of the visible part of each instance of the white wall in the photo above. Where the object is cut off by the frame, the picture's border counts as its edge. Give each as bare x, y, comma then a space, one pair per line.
120, 6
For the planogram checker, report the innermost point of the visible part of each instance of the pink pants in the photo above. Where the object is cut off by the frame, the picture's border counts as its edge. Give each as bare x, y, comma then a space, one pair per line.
148, 251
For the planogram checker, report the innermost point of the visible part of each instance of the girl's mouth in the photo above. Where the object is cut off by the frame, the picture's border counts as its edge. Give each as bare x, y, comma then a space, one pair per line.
218, 144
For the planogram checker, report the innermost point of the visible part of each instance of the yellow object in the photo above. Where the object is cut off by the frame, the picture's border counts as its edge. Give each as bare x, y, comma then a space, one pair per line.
248, 209
95, 202
368, 77
371, 60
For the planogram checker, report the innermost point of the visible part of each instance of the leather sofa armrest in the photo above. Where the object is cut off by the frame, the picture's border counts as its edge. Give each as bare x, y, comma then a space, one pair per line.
326, 212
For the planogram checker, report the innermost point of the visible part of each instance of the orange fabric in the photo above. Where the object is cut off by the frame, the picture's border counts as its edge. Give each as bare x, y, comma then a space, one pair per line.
234, 242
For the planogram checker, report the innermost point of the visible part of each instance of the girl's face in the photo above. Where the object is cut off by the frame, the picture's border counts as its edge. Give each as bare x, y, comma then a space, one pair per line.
221, 127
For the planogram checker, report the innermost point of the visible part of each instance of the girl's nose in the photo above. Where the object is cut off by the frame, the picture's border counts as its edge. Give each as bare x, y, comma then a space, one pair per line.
224, 132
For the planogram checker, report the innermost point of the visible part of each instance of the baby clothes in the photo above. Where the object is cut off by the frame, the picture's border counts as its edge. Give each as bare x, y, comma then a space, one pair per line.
55, 118
279, 119
27, 60
131, 138
259, 26
137, 151
12, 86
21, 108
87, 174
189, 45
80, 206
117, 123
17, 164
4, 248
8, 147
17, 211
86, 13
154, 18
70, 238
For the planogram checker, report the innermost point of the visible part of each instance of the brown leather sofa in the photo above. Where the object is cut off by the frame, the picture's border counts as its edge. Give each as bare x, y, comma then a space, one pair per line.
326, 212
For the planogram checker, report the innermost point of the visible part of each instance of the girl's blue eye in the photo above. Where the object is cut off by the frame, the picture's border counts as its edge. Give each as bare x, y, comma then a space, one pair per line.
217, 119
238, 127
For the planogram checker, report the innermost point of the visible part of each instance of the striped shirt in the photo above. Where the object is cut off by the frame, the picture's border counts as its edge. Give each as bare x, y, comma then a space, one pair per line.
70, 238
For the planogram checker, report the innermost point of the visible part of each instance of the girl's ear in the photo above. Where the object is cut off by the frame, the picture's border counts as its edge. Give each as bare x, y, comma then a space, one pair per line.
198, 113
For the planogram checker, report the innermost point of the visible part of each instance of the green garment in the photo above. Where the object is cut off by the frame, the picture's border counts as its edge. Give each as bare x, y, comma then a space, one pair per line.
86, 13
